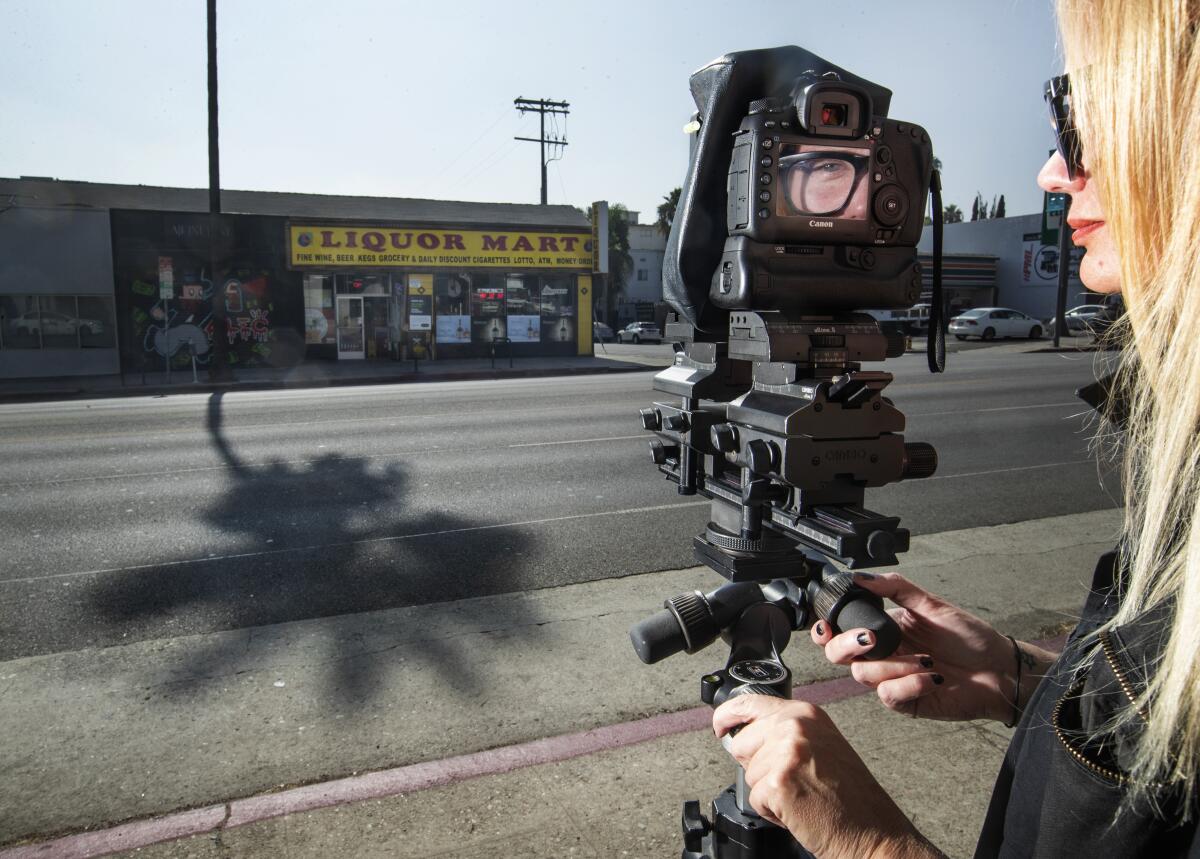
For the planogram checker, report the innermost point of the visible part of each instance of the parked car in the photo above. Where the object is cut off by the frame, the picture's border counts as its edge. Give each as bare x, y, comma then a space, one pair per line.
52, 324
912, 321
1078, 318
988, 323
640, 332
601, 333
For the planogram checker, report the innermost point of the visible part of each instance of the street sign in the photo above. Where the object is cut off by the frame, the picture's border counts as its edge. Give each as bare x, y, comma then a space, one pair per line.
166, 278
600, 237
1052, 209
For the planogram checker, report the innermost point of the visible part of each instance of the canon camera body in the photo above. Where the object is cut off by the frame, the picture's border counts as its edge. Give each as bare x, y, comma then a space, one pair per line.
802, 196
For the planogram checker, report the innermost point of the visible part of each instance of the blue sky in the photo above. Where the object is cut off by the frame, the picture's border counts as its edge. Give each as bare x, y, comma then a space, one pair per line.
412, 99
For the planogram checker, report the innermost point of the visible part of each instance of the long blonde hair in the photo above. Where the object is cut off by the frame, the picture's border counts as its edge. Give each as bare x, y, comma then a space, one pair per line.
1135, 78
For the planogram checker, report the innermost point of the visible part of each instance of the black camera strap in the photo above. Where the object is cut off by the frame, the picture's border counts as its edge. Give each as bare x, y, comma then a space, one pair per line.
936, 345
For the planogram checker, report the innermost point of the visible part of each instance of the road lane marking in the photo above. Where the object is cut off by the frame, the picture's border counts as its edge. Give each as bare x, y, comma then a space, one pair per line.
527, 523
278, 462
1014, 468
364, 542
1077, 403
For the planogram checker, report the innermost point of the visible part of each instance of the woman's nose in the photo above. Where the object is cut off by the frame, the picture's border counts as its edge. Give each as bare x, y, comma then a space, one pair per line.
1053, 177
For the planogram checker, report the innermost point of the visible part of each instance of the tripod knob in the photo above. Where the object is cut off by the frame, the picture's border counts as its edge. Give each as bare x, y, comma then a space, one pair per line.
920, 460
651, 419
695, 827
724, 437
676, 423
660, 452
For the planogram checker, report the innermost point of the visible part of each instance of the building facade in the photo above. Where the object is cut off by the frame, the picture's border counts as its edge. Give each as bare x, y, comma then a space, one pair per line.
107, 278
1026, 271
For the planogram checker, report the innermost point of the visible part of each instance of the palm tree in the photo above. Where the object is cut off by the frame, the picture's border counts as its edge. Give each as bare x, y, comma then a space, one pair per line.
666, 211
952, 214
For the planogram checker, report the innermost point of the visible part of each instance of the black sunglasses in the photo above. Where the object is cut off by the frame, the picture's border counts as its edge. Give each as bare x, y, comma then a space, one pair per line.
1057, 93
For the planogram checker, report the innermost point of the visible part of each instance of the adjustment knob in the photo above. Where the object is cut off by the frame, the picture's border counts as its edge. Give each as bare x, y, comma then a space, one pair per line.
677, 423
920, 460
661, 453
896, 344
651, 419
724, 437
762, 456
881, 545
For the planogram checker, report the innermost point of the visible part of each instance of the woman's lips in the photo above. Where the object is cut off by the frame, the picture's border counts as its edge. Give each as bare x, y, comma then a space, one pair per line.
1083, 229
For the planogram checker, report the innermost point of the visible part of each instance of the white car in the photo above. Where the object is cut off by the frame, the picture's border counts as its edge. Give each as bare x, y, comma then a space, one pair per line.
988, 323
1078, 318
640, 332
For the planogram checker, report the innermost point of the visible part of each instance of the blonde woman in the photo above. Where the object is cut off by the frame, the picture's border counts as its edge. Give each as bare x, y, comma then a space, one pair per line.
1106, 756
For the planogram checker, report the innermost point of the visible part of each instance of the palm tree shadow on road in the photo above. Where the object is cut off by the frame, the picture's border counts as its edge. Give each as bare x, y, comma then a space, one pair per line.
321, 538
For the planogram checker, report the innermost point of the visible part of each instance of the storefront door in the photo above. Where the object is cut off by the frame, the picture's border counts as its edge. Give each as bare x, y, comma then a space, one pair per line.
350, 327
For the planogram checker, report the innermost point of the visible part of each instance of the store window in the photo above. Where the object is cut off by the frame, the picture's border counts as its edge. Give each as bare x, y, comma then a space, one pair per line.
452, 301
56, 322
558, 308
488, 308
362, 284
319, 321
97, 326
524, 318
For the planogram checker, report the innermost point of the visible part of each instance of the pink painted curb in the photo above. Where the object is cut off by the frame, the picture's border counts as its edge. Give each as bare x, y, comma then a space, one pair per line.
406, 779
127, 836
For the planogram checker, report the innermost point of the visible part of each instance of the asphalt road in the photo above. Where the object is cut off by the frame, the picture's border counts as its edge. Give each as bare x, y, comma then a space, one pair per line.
134, 519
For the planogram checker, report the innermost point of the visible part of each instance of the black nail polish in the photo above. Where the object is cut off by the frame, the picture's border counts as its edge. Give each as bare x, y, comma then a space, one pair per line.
926, 662
820, 628
864, 638
938, 679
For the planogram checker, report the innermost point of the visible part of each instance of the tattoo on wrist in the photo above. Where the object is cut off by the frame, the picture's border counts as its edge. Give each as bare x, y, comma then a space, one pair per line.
1027, 658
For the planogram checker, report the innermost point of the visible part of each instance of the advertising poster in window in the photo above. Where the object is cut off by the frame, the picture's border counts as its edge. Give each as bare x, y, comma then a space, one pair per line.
454, 329
487, 330
559, 330
525, 329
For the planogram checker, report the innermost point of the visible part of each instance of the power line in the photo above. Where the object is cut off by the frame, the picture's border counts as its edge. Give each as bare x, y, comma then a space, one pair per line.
542, 107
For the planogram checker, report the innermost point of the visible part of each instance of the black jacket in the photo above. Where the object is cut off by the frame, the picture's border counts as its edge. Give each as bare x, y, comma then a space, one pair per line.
1058, 793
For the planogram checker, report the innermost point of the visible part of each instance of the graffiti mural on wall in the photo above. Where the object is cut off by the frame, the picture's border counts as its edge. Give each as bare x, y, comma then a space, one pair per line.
181, 328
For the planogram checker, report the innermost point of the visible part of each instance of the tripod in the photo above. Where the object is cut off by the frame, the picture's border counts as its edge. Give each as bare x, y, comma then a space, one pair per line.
757, 620
785, 464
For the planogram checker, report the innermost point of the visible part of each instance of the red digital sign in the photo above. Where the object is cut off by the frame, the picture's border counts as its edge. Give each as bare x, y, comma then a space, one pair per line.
489, 294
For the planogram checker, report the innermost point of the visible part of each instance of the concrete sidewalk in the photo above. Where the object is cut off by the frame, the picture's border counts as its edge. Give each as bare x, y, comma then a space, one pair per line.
96, 737
320, 374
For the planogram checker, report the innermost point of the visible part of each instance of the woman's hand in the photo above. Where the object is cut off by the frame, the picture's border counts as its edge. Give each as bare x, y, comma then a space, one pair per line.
950, 664
803, 775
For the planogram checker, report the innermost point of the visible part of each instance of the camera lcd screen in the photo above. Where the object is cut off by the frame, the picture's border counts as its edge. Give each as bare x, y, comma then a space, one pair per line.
830, 181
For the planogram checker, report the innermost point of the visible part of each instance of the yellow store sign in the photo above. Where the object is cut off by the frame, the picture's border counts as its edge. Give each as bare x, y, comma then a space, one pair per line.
316, 246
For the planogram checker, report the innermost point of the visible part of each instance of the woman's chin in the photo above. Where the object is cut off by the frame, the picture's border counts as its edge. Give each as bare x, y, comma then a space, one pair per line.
1099, 278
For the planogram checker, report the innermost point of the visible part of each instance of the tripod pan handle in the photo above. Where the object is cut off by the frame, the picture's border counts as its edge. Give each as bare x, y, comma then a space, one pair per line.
864, 610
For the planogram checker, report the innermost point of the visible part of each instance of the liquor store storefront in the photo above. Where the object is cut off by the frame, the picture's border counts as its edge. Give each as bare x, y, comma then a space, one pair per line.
375, 291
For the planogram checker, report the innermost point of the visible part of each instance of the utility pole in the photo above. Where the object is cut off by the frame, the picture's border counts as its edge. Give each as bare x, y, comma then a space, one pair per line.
543, 107
218, 367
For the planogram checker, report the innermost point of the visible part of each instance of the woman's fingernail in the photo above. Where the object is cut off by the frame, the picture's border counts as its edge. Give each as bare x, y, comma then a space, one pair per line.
926, 661
820, 628
866, 577
938, 679
864, 638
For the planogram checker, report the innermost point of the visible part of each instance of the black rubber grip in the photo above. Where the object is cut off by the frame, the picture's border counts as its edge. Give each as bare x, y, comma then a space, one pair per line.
864, 610
657, 637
